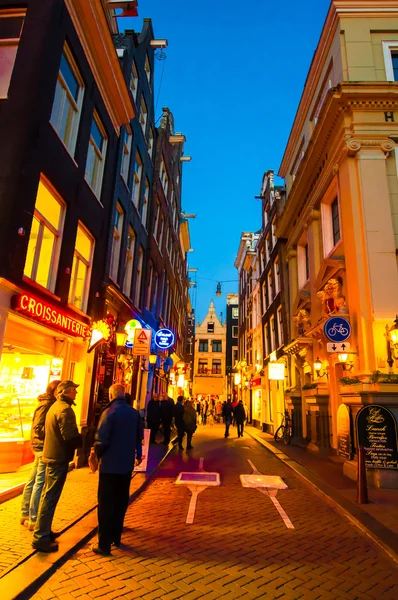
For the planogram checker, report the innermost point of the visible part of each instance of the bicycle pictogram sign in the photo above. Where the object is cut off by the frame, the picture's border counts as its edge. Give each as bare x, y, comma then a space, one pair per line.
337, 329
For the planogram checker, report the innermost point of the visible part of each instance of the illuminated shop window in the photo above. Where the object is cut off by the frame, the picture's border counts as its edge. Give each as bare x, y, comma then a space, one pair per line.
128, 268
116, 242
41, 261
96, 156
81, 269
68, 100
11, 23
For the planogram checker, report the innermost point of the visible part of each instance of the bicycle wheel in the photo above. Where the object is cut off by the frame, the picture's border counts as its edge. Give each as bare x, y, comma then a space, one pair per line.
287, 436
279, 433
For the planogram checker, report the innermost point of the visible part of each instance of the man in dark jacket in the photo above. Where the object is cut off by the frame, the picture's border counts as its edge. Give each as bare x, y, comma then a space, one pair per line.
227, 414
240, 415
34, 486
166, 415
61, 440
179, 420
118, 445
153, 417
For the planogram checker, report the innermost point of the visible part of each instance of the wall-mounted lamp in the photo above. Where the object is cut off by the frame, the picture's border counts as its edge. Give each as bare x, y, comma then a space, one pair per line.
152, 362
121, 338
318, 368
343, 358
392, 342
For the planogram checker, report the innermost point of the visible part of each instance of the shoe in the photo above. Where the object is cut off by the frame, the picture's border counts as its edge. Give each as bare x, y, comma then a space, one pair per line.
55, 534
180, 447
189, 447
31, 525
45, 546
23, 519
116, 543
97, 550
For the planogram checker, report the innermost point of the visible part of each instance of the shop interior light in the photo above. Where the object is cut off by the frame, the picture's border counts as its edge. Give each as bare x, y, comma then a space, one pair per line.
237, 378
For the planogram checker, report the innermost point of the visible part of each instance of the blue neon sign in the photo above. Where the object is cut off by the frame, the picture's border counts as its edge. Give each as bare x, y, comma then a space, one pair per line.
164, 339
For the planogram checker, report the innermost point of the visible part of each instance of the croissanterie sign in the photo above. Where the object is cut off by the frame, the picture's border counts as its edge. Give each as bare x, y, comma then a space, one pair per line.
42, 311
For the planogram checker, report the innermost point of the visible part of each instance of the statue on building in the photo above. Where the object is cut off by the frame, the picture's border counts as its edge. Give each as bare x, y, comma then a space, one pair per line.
333, 301
302, 321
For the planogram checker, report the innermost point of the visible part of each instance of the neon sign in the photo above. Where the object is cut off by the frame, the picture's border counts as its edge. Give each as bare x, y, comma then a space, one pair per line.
43, 312
100, 332
130, 328
164, 338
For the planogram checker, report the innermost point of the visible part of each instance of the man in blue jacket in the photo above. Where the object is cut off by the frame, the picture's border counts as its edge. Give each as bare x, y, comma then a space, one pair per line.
118, 445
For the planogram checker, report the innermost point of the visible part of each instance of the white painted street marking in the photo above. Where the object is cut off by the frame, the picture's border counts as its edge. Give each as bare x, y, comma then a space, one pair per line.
197, 481
269, 486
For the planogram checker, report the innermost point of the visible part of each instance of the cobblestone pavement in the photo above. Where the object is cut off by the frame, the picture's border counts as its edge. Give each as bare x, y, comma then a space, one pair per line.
78, 496
238, 545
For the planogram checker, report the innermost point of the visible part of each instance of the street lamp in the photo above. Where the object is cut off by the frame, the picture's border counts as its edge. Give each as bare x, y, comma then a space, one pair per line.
318, 368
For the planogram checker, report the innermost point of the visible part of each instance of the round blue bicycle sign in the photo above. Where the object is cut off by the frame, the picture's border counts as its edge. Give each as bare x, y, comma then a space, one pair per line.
337, 329
164, 338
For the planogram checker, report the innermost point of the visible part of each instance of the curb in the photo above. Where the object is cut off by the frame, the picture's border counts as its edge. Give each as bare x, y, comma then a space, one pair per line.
383, 537
24, 580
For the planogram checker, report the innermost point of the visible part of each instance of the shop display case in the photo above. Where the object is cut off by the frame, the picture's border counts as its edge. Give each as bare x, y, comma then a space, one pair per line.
16, 412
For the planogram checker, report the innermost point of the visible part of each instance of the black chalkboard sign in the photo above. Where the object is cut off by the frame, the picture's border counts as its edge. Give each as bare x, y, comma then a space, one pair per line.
377, 433
344, 431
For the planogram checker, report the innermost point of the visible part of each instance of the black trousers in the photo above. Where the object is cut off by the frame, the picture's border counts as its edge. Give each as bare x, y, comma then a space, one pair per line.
239, 426
55, 479
166, 431
113, 500
154, 427
180, 434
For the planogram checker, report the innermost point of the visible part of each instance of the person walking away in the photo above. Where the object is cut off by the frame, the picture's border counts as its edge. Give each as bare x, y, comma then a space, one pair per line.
179, 420
34, 486
61, 438
118, 446
234, 405
153, 417
205, 408
198, 408
218, 411
227, 414
166, 416
189, 418
239, 414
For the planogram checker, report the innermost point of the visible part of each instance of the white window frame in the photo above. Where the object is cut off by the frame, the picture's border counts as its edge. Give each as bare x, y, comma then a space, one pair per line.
137, 178
327, 224
277, 276
164, 179
14, 42
266, 340
145, 202
281, 341
148, 70
99, 155
58, 233
126, 156
150, 143
156, 219
89, 265
134, 81
270, 286
128, 265
160, 233
143, 115
389, 47
138, 277
76, 104
235, 329
116, 244
235, 312
273, 337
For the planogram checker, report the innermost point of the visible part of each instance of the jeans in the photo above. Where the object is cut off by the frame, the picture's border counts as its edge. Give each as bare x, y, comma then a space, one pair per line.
113, 500
166, 431
228, 422
180, 434
55, 478
33, 488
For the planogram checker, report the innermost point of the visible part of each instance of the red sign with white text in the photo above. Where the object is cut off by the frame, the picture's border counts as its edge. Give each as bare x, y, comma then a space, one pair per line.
46, 313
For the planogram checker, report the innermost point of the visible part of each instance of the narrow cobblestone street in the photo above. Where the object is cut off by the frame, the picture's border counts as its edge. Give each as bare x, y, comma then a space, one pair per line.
238, 545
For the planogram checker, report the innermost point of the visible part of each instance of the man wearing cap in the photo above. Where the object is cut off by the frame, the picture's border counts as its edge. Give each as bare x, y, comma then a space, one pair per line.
60, 442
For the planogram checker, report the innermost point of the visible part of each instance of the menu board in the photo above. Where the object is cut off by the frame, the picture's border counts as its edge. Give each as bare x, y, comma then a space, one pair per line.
377, 433
344, 441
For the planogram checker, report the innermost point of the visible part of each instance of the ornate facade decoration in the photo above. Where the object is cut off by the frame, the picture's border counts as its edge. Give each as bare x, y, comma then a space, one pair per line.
302, 321
333, 301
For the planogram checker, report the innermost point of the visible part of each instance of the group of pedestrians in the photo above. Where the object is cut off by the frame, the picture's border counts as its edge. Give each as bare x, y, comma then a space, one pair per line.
234, 413
159, 414
55, 437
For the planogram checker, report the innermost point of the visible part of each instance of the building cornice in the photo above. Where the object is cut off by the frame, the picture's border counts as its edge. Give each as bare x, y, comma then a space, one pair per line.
338, 9
91, 21
336, 136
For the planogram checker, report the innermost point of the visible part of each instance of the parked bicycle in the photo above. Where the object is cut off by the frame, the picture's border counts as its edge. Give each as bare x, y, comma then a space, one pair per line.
284, 431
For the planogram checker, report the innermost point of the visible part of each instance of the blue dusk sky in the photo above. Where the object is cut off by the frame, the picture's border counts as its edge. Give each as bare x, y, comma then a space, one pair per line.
233, 78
